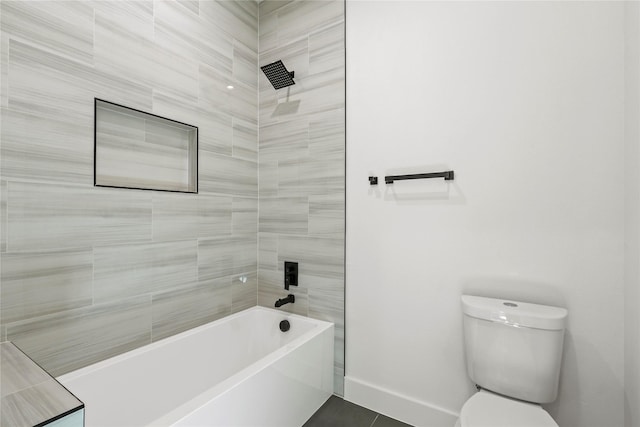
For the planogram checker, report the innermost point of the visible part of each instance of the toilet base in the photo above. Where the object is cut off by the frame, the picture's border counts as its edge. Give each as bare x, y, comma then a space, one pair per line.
487, 409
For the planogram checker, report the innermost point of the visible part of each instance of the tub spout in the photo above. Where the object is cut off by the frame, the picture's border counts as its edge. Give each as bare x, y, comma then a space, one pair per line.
289, 299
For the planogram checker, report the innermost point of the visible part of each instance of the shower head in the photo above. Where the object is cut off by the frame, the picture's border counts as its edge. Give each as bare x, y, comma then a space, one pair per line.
278, 74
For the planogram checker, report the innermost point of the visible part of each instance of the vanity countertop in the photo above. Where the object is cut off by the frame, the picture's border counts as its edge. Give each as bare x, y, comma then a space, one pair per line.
30, 396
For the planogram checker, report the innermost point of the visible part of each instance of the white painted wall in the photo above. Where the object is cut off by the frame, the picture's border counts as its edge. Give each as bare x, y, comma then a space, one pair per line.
525, 101
632, 213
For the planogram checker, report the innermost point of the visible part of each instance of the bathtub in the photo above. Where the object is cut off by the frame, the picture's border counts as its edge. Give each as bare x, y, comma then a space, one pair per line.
237, 371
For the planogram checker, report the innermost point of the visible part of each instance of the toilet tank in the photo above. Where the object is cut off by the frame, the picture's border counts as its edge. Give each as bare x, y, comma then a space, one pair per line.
514, 348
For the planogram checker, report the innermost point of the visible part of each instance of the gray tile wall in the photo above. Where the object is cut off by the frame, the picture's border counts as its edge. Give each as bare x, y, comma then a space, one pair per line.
301, 161
87, 273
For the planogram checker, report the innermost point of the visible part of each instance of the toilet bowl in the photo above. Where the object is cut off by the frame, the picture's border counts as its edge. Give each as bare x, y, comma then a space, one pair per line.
513, 352
487, 409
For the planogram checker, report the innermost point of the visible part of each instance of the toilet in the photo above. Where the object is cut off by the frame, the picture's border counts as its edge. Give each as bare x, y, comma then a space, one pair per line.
513, 353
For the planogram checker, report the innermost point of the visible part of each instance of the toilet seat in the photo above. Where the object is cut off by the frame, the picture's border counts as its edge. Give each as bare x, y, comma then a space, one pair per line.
486, 409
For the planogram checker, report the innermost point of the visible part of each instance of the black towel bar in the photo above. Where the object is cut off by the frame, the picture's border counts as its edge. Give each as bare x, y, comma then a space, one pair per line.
447, 175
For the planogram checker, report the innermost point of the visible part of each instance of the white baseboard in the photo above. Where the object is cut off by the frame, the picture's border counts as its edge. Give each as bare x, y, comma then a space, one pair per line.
398, 406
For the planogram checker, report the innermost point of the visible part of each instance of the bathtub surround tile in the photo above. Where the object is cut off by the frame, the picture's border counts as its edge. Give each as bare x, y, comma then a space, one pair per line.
245, 215
251, 13
326, 215
3, 216
192, 5
275, 280
279, 110
227, 256
43, 216
319, 93
287, 21
284, 141
270, 110
191, 216
268, 182
181, 70
63, 27
36, 404
4, 68
270, 6
135, 55
213, 92
177, 311
172, 59
288, 215
244, 290
331, 285
268, 34
135, 16
310, 176
300, 19
130, 270
35, 284
328, 81
327, 304
179, 29
45, 84
238, 19
245, 140
227, 175
245, 65
338, 382
317, 256
267, 251
35, 146
215, 129
18, 371
70, 340
327, 49
311, 95
29, 395
327, 136
244, 104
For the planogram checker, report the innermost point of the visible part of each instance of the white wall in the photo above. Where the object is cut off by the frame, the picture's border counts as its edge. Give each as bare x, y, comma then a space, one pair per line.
525, 101
632, 213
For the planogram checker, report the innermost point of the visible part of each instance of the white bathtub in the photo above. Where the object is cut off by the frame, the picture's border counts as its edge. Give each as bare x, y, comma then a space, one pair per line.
237, 371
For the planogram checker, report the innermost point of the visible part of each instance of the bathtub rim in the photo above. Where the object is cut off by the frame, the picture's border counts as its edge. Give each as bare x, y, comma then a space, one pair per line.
224, 386
167, 340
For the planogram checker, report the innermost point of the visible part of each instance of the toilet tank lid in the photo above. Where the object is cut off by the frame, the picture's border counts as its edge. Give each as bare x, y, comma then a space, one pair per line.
515, 313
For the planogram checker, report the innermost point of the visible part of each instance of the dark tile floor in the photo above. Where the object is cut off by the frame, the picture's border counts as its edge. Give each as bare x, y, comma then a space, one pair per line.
337, 412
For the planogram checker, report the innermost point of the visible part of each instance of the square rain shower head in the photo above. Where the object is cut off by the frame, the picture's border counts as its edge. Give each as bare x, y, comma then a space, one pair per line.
278, 75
